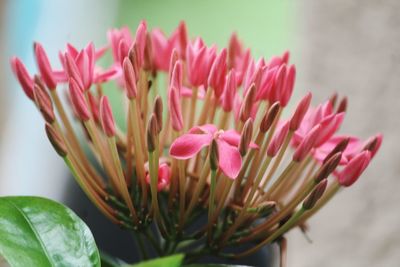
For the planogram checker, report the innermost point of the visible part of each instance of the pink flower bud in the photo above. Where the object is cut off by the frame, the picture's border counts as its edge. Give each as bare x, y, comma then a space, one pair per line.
342, 105
130, 79
315, 195
56, 140
43, 102
230, 89
164, 176
140, 40
278, 87
72, 69
44, 66
307, 144
78, 100
288, 85
373, 144
94, 107
216, 79
354, 168
278, 139
248, 104
107, 119
270, 117
176, 77
175, 110
301, 110
123, 50
23, 76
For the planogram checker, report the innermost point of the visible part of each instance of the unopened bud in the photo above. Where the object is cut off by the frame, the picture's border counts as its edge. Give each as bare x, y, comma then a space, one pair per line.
328, 167
94, 107
56, 140
152, 130
23, 76
245, 138
107, 118
130, 79
333, 99
78, 100
44, 66
43, 101
315, 195
214, 155
307, 144
270, 117
342, 105
300, 112
340, 147
373, 144
278, 139
248, 102
158, 112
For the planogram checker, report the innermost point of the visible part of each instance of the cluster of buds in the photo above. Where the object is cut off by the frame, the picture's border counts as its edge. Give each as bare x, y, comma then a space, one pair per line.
211, 143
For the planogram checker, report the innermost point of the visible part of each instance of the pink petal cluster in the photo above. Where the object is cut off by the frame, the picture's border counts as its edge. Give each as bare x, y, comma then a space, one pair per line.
188, 145
164, 177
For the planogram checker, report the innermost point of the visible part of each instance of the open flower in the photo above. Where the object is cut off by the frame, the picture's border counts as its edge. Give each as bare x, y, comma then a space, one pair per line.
188, 145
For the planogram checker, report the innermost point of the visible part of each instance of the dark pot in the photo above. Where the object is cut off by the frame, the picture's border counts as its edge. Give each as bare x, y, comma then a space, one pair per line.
119, 243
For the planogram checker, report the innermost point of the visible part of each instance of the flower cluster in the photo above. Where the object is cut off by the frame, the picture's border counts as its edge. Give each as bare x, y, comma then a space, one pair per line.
219, 149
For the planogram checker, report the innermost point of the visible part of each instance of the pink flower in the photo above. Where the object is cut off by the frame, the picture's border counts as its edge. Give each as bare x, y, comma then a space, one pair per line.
115, 37
164, 176
216, 79
354, 169
199, 59
351, 150
324, 115
80, 65
188, 145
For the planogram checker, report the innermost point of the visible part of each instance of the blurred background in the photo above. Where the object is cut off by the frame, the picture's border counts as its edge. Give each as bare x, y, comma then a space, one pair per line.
351, 47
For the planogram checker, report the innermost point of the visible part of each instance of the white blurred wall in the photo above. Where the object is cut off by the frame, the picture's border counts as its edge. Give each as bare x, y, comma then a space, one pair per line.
28, 164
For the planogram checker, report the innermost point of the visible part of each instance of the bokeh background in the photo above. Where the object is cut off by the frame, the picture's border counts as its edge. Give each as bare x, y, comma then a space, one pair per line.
351, 47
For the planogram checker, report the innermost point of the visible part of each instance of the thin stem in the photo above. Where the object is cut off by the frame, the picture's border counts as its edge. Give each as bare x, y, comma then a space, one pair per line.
211, 203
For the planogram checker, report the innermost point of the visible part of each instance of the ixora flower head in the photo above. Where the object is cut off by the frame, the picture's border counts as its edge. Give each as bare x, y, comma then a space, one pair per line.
219, 148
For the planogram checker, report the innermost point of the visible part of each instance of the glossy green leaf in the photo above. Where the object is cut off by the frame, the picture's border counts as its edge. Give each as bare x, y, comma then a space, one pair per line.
170, 261
39, 232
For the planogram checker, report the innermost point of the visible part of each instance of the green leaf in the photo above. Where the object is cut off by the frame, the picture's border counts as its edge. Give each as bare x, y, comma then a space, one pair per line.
39, 232
215, 265
170, 261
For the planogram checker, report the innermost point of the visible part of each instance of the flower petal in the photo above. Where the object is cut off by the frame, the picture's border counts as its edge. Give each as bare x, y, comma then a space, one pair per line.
188, 145
230, 160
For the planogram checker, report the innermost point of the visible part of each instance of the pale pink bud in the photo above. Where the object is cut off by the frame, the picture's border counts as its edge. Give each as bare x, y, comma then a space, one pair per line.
78, 100
216, 79
175, 110
245, 138
278, 139
176, 77
301, 110
306, 144
354, 168
23, 76
106, 116
230, 89
123, 50
44, 66
130, 79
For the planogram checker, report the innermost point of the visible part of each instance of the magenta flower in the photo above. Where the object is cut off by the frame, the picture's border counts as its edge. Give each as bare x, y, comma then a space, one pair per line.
324, 115
188, 145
